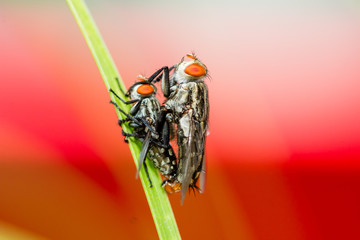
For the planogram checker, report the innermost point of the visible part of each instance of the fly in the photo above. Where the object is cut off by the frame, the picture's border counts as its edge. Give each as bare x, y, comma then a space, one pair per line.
143, 117
187, 105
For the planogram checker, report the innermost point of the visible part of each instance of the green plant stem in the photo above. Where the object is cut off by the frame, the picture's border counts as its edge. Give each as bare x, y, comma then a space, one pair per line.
158, 201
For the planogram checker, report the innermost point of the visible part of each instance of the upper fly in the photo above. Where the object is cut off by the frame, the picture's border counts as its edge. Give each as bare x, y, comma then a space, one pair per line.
187, 106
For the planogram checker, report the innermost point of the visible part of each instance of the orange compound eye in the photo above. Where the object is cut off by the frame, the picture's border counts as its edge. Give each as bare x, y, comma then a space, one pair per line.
145, 89
195, 70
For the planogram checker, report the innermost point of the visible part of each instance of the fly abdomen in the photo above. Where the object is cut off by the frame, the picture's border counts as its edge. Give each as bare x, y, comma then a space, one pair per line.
164, 160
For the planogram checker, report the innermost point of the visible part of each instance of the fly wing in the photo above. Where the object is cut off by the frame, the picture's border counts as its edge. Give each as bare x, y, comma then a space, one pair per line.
202, 130
188, 166
143, 152
203, 176
194, 165
187, 173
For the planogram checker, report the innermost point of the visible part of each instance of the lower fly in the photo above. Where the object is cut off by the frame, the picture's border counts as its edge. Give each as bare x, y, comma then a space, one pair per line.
143, 119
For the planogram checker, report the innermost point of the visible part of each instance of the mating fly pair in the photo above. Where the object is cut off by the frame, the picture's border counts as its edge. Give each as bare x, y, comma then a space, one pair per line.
187, 109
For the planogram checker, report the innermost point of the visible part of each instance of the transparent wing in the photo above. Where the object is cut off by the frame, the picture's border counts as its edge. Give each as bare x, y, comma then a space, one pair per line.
188, 166
203, 176
203, 130
143, 152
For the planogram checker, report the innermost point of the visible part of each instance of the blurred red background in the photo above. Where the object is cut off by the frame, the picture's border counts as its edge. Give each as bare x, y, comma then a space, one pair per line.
285, 136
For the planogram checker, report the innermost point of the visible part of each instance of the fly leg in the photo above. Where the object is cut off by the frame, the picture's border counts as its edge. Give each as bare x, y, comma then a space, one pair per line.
147, 173
159, 144
135, 134
134, 109
164, 77
165, 137
126, 102
165, 81
118, 83
126, 135
120, 122
163, 126
128, 118
158, 75
146, 123
127, 115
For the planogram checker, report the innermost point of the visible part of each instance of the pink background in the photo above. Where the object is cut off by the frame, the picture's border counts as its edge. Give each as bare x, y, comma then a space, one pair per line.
284, 149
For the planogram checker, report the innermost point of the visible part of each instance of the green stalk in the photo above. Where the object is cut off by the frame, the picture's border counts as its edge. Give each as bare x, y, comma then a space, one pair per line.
158, 201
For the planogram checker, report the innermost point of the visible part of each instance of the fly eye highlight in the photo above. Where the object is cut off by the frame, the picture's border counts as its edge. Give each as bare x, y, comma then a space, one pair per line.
192, 56
141, 78
145, 89
195, 70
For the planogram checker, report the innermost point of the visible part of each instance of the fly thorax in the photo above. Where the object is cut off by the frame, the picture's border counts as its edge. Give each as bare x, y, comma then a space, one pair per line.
178, 101
152, 107
173, 90
184, 124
